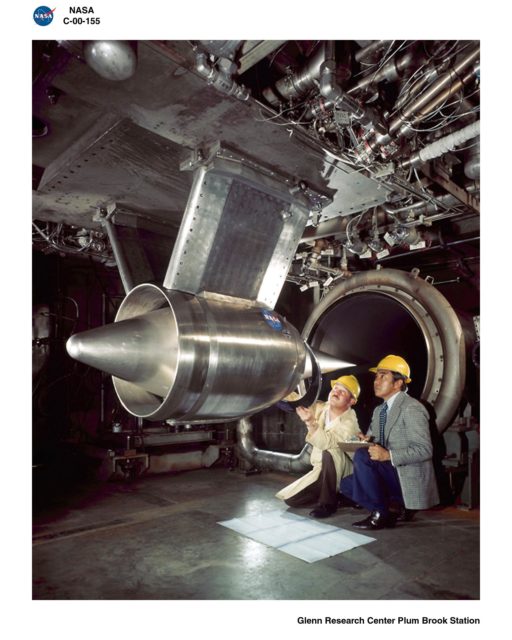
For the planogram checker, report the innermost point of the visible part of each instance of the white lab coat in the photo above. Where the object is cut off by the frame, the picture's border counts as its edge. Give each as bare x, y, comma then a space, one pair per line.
326, 437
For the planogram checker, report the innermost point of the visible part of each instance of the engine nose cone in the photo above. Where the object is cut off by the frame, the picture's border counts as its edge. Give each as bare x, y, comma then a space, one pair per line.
141, 350
74, 347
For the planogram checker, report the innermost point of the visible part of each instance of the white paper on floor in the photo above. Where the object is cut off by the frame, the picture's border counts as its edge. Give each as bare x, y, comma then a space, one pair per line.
296, 535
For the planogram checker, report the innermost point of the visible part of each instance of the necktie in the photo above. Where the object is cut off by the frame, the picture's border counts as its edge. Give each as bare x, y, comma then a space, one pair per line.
382, 422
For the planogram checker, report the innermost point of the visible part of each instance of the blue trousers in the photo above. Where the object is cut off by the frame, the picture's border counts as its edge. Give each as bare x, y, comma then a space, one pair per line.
373, 484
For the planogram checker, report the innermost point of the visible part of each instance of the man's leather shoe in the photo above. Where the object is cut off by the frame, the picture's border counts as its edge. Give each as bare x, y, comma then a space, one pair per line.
405, 515
322, 511
401, 513
376, 520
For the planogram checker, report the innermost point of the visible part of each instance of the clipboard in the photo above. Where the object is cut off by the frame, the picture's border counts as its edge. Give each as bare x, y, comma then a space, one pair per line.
352, 445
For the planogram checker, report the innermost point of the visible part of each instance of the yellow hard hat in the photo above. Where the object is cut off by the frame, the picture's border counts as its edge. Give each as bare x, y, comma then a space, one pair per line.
350, 383
396, 364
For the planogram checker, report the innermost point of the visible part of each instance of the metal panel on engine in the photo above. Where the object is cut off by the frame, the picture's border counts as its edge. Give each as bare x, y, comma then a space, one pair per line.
239, 233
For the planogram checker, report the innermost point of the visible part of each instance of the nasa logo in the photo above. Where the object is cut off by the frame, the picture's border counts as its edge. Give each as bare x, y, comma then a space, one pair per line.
272, 320
43, 16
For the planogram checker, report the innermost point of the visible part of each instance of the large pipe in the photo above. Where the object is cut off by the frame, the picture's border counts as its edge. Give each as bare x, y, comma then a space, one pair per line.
298, 83
371, 50
418, 108
443, 145
269, 460
332, 92
390, 72
438, 101
430, 73
447, 80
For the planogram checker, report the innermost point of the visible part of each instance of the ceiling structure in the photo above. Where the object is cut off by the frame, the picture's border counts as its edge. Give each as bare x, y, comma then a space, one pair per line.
381, 137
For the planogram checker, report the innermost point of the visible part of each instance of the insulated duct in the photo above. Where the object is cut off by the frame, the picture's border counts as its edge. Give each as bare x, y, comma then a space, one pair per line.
444, 145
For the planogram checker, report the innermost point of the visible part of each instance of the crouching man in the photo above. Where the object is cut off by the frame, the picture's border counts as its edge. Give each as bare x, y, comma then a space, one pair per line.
395, 475
328, 423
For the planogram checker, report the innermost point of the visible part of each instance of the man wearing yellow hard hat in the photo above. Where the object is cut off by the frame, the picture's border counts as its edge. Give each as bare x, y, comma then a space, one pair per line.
394, 476
328, 423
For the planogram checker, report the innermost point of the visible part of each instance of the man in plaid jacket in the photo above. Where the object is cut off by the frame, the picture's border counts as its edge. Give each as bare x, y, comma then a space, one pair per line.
394, 476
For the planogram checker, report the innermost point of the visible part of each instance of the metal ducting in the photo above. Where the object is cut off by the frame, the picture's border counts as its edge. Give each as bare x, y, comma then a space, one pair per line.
472, 164
298, 83
270, 460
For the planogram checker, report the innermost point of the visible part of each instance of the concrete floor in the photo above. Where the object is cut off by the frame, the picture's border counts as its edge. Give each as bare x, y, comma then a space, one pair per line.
158, 538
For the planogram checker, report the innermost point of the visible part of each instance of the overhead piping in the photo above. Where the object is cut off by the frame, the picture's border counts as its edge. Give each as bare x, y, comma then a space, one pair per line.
429, 75
220, 76
443, 145
299, 83
448, 84
332, 92
390, 72
371, 50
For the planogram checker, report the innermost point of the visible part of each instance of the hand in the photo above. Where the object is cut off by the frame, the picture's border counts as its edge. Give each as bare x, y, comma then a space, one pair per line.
378, 453
306, 415
362, 437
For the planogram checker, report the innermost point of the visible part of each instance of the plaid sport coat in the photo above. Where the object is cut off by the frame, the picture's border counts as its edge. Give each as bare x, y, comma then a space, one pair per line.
407, 437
